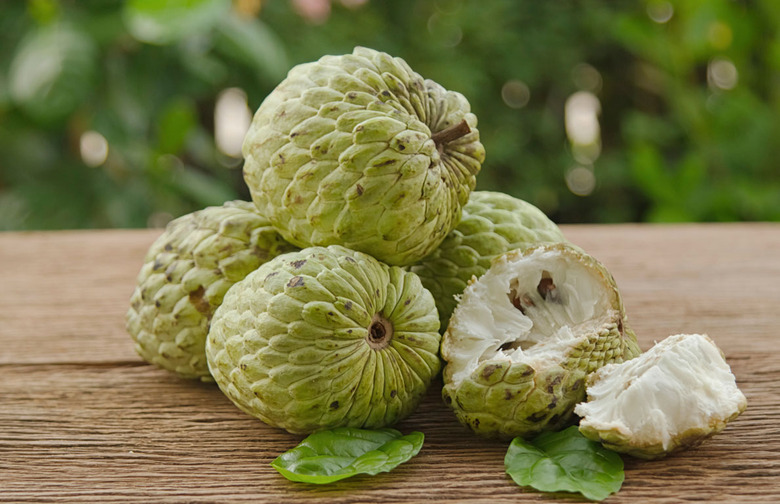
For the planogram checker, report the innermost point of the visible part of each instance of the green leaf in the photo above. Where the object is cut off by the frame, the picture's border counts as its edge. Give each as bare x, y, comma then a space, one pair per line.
52, 72
328, 456
251, 42
156, 22
565, 461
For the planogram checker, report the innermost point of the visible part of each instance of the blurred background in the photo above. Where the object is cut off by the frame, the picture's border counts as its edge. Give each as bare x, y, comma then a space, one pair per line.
127, 114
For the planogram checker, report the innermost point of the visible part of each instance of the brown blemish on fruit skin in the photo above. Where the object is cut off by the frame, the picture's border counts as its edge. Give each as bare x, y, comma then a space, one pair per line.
295, 281
488, 370
298, 264
551, 386
199, 301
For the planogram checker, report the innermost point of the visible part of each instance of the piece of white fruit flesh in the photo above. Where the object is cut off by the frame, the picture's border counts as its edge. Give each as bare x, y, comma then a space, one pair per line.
673, 395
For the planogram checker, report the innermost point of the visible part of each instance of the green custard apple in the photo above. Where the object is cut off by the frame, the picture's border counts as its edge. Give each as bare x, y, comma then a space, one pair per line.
325, 337
674, 396
185, 275
492, 223
359, 150
525, 336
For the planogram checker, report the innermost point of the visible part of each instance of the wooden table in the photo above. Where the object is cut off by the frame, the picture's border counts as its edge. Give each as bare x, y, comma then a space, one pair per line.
83, 419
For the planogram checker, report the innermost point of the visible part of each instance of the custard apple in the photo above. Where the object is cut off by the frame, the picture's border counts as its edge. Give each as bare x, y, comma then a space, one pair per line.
673, 396
359, 150
524, 337
186, 272
492, 223
325, 337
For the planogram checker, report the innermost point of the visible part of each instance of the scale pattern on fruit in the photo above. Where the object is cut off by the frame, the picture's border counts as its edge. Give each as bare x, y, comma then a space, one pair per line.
359, 150
325, 338
186, 272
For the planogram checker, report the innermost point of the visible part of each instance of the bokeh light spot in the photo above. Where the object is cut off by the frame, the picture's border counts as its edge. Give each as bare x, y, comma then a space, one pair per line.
720, 35
581, 180
515, 94
232, 118
93, 148
722, 74
660, 12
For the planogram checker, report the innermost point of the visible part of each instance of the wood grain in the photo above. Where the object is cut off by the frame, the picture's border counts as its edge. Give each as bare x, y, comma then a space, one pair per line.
83, 419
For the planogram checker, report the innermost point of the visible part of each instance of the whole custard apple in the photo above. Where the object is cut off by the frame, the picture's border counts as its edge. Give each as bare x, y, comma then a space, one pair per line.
492, 223
359, 150
185, 275
526, 335
323, 338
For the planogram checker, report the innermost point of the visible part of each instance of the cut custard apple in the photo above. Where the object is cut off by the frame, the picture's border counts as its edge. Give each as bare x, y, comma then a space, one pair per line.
492, 223
524, 337
186, 272
673, 396
323, 338
359, 150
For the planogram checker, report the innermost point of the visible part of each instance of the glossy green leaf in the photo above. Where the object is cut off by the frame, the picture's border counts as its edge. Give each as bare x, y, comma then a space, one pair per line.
328, 456
156, 22
565, 461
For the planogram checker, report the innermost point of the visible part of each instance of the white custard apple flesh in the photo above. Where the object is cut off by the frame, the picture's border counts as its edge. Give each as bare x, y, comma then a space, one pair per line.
525, 336
673, 396
185, 275
323, 338
492, 223
359, 150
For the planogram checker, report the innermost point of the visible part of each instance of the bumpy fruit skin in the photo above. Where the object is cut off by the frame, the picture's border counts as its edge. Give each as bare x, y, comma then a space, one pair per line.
492, 223
185, 275
326, 337
348, 150
505, 397
673, 397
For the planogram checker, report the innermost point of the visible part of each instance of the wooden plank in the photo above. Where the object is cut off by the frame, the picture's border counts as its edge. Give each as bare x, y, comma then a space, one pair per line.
82, 419
132, 433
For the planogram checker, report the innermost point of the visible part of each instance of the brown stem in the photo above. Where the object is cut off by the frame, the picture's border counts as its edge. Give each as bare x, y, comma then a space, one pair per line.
451, 133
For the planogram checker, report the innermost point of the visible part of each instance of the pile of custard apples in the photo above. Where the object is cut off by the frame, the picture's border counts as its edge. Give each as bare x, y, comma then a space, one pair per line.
366, 264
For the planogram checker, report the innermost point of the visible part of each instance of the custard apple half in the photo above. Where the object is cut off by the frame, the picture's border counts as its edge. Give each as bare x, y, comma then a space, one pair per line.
672, 397
492, 223
524, 337
326, 337
359, 150
186, 272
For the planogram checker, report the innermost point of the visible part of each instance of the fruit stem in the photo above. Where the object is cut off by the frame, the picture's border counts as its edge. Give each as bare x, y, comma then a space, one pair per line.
451, 133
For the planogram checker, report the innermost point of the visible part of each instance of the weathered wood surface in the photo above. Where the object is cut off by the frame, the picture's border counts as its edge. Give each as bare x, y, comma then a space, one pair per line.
83, 419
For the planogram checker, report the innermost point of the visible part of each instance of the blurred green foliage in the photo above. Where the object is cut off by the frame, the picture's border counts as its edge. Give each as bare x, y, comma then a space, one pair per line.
688, 100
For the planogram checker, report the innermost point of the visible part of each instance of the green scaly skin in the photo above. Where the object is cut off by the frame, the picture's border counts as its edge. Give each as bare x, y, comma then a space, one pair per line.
326, 338
359, 150
492, 223
185, 275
